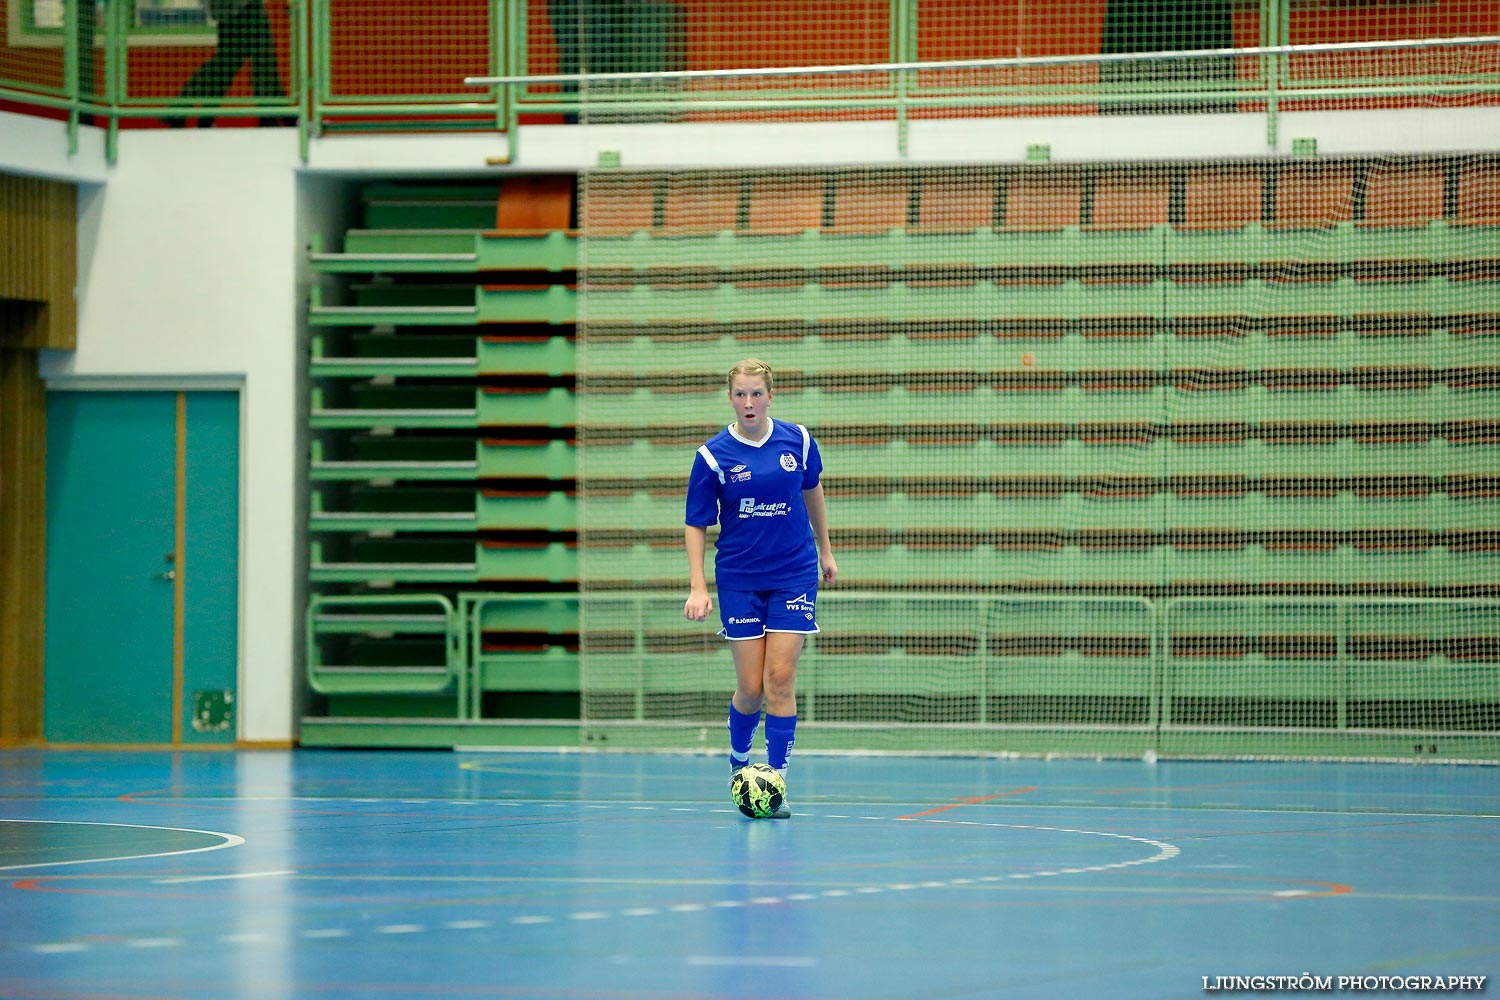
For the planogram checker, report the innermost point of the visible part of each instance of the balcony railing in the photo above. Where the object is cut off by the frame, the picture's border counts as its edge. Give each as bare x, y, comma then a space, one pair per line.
377, 66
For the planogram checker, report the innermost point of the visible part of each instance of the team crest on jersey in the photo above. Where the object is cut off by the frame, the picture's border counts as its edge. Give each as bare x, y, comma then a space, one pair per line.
789, 461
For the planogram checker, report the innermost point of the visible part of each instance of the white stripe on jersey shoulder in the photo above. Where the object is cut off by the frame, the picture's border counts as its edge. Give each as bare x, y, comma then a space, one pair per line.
806, 444
713, 463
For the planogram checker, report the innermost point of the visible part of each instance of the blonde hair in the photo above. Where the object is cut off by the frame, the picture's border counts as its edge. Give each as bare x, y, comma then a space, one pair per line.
752, 368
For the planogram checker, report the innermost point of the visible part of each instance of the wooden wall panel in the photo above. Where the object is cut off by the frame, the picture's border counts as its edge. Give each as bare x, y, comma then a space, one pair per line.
38, 272
23, 565
39, 260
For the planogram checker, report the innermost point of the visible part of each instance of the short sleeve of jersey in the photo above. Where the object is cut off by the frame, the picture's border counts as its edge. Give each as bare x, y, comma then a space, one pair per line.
702, 494
812, 474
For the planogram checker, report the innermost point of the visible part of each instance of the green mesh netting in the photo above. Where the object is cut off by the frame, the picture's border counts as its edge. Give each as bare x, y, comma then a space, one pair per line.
1190, 456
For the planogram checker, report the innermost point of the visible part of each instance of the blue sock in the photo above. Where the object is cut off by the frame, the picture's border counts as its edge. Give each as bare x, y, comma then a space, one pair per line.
741, 735
781, 733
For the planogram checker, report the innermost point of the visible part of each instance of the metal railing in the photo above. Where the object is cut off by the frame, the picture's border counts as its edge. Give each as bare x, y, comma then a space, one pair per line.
1303, 675
346, 67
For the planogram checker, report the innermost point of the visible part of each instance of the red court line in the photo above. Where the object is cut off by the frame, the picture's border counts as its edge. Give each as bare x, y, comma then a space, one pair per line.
971, 802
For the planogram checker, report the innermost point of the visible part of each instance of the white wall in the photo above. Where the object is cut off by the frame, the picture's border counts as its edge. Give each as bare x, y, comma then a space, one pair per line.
190, 250
187, 276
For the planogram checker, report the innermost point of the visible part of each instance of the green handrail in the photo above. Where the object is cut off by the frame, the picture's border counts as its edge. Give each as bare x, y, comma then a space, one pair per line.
378, 615
314, 100
1163, 622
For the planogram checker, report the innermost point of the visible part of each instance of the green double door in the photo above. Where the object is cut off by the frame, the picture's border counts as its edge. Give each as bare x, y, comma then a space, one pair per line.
142, 567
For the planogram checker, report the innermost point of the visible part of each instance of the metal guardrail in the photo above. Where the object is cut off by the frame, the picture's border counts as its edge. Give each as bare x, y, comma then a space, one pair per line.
373, 618
323, 92
1452, 662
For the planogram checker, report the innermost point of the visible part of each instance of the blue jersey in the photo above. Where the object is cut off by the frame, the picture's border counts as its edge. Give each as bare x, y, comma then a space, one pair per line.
753, 491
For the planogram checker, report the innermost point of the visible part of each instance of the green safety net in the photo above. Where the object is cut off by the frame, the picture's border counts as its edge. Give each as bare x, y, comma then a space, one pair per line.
1121, 456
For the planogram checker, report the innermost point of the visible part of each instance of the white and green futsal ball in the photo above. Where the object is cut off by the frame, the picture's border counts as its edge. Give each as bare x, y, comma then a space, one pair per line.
758, 790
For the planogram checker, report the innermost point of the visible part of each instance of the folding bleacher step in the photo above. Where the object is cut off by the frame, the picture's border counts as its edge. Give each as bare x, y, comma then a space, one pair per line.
495, 510
458, 305
445, 251
900, 301
356, 353
402, 559
326, 470
493, 407
323, 366
401, 205
378, 573
336, 520
325, 418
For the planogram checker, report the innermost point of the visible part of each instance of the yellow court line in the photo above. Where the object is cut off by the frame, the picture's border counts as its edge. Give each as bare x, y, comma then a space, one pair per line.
179, 544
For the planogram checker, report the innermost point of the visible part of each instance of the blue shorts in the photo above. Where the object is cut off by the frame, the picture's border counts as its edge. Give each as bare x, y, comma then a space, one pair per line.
750, 614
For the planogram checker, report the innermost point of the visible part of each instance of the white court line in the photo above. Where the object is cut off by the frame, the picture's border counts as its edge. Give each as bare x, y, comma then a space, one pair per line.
753, 961
1059, 804
219, 878
61, 948
245, 937
162, 942
1163, 851
230, 840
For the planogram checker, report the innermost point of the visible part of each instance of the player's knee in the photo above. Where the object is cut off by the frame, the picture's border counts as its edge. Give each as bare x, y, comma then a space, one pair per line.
781, 685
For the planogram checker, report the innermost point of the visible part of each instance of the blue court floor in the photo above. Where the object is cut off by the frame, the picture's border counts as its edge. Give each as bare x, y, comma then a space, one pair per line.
357, 874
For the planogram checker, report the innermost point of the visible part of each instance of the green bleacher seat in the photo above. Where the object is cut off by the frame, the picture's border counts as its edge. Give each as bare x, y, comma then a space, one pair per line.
448, 305
550, 668
520, 458
553, 562
618, 205
444, 251
352, 352
513, 354
363, 508
429, 206
418, 404
516, 510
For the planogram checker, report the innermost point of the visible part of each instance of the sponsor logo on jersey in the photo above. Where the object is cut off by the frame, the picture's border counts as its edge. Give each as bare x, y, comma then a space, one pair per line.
789, 461
739, 474
749, 508
744, 621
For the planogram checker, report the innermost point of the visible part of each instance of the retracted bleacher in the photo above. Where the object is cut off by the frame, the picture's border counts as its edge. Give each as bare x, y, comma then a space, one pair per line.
1197, 458
1268, 388
442, 458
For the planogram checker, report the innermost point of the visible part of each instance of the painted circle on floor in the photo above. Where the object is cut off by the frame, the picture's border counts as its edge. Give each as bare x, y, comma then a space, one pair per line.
38, 843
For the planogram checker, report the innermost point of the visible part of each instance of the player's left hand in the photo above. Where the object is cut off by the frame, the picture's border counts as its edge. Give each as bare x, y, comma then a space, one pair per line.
697, 606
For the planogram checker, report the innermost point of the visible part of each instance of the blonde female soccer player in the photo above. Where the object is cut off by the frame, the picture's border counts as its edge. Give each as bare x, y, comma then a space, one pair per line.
758, 479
